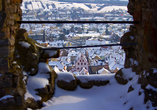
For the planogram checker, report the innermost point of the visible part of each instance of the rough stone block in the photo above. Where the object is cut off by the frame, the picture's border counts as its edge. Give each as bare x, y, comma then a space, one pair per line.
4, 42
11, 22
12, 40
5, 82
6, 101
3, 63
119, 78
7, 32
4, 51
16, 1
2, 92
22, 34
2, 19
31, 103
7, 1
2, 34
67, 85
0, 5
17, 18
86, 85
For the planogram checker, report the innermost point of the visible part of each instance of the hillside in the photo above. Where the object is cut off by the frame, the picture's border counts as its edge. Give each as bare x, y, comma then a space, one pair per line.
111, 2
55, 5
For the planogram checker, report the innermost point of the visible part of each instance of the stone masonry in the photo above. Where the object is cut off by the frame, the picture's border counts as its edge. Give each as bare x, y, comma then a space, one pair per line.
143, 57
11, 83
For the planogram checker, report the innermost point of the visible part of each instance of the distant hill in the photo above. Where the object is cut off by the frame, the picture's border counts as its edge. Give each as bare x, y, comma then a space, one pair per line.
111, 2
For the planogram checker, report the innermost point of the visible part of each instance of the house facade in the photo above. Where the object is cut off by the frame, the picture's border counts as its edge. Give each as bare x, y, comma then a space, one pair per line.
81, 62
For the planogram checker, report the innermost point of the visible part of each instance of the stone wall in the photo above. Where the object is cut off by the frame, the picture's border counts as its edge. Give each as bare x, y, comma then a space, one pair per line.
143, 57
11, 83
144, 34
18, 62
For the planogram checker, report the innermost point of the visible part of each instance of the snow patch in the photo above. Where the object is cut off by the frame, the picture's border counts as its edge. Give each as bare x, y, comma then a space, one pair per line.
43, 68
151, 87
24, 44
133, 61
155, 70
87, 78
132, 37
126, 73
6, 97
40, 80
65, 76
56, 69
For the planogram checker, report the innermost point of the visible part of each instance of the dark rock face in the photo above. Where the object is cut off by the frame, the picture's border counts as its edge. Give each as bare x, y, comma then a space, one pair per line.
67, 85
145, 34
28, 54
87, 85
2, 19
150, 95
11, 102
31, 103
11, 83
130, 89
18, 54
120, 79
90, 84
2, 34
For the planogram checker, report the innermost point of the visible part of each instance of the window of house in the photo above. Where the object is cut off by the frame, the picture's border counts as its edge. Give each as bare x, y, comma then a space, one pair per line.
78, 68
84, 63
78, 63
81, 63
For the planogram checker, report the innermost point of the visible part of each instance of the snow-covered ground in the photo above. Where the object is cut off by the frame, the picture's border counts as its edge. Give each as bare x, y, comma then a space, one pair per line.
113, 96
